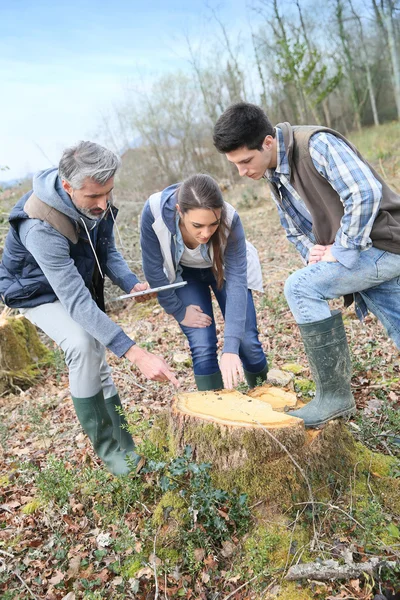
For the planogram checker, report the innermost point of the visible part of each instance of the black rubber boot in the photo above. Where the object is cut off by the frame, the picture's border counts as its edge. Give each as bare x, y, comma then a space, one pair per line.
328, 354
254, 379
209, 382
120, 432
96, 422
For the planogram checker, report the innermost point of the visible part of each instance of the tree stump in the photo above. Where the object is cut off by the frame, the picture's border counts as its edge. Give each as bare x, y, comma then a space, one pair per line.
228, 428
21, 352
255, 447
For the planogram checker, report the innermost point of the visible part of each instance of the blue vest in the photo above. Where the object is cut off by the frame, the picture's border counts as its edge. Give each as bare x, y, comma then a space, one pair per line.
23, 283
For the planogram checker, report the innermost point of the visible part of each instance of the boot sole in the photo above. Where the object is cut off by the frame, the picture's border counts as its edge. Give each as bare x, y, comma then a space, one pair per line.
345, 414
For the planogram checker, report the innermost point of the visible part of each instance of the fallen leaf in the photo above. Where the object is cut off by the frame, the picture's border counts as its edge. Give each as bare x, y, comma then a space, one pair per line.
205, 577
73, 567
199, 554
228, 548
57, 578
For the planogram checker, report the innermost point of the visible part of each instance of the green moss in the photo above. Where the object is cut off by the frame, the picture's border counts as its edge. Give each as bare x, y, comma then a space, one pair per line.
291, 590
293, 368
4, 480
305, 387
374, 462
31, 507
170, 507
169, 555
132, 566
22, 355
159, 434
259, 549
388, 489
267, 548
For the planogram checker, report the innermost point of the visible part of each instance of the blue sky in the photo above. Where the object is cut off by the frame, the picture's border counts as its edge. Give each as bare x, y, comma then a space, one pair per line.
63, 65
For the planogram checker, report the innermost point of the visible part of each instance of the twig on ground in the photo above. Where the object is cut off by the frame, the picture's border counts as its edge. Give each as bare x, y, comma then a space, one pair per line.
144, 506
291, 538
138, 384
334, 507
25, 585
333, 570
6, 553
155, 566
241, 587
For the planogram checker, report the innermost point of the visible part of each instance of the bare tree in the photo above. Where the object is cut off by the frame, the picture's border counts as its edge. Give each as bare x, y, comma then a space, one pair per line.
385, 14
366, 61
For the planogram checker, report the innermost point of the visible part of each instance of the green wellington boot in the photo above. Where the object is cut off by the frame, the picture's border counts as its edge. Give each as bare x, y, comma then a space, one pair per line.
254, 379
97, 424
209, 382
120, 432
328, 354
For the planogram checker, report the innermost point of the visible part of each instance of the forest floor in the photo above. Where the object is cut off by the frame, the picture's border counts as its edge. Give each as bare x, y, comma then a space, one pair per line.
70, 530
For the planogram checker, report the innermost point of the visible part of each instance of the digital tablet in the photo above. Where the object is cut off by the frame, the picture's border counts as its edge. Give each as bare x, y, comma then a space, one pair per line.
151, 290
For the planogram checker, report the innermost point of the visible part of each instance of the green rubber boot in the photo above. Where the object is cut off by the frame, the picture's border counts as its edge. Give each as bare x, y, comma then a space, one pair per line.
97, 424
209, 382
328, 354
120, 432
254, 379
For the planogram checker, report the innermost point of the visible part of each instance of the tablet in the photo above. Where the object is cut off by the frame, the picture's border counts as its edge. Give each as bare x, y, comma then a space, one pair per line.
151, 290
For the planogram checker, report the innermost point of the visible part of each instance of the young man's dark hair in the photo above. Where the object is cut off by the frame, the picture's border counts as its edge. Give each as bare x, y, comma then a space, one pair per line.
242, 124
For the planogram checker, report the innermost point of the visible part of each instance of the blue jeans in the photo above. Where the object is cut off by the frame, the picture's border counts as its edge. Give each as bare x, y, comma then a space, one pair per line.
203, 341
376, 277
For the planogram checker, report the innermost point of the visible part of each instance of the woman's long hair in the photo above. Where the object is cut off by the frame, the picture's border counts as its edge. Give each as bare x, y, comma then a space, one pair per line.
202, 191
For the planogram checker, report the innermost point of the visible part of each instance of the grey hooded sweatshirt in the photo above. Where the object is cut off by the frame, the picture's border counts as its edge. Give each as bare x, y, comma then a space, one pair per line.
51, 250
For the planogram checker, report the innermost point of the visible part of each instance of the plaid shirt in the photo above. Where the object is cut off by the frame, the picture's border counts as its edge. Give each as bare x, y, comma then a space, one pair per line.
358, 190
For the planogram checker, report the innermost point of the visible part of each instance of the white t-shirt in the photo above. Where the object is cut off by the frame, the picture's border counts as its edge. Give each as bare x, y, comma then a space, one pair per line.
192, 258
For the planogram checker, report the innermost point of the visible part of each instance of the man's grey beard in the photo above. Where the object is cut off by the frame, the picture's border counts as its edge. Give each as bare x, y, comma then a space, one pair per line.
87, 213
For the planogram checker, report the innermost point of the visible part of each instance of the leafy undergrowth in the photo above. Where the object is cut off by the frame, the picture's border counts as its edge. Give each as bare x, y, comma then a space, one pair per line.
70, 530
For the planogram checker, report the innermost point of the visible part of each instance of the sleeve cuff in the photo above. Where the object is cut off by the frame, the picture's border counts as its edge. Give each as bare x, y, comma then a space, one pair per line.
180, 314
346, 256
129, 282
120, 344
231, 345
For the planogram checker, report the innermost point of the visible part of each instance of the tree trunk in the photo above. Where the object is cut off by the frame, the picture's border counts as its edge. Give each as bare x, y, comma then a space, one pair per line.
388, 20
21, 352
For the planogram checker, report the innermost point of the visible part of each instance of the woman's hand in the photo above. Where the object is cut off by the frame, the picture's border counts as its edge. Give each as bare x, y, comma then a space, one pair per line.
194, 317
231, 370
140, 287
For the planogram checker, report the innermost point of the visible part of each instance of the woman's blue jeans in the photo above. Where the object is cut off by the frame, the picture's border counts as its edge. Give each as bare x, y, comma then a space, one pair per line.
203, 341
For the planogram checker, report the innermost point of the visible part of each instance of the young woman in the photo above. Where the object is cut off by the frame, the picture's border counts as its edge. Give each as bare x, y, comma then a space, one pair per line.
188, 233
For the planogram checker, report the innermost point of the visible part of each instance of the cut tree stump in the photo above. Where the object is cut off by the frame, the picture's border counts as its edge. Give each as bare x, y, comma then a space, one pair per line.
238, 421
255, 447
21, 353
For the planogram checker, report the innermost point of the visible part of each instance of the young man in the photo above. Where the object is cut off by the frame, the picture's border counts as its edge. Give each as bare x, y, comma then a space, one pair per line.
345, 222
57, 252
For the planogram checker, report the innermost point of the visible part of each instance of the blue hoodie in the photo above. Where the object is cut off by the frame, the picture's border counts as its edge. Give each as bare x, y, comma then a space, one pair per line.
40, 265
235, 263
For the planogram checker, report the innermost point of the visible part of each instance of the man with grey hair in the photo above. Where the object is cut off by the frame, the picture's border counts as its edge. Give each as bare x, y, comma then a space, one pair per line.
57, 252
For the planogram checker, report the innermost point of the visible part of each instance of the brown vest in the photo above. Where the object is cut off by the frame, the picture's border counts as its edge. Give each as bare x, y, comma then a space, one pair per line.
37, 209
321, 199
